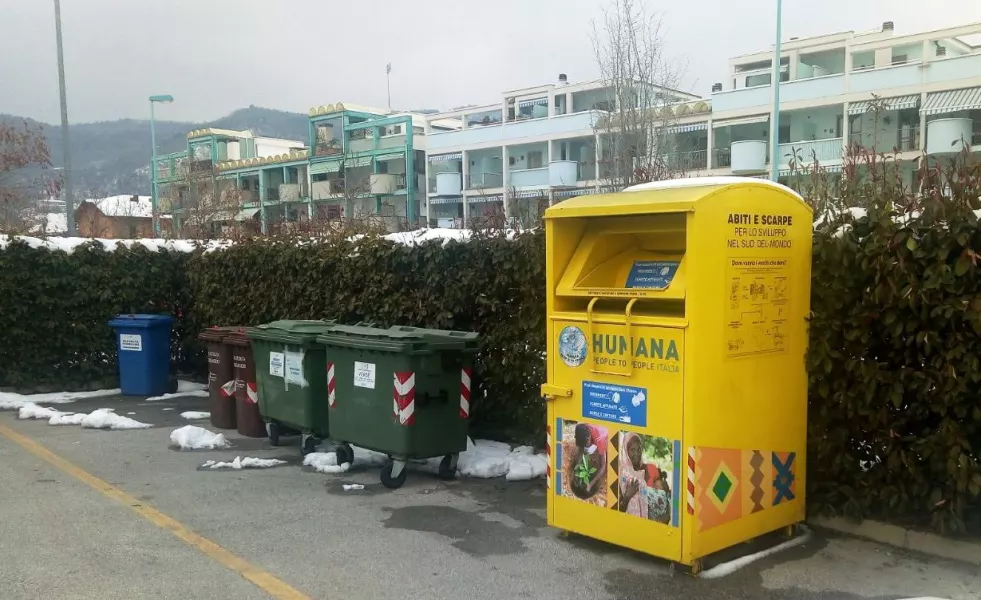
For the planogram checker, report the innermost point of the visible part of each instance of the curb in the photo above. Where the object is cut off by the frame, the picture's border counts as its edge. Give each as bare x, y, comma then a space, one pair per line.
907, 539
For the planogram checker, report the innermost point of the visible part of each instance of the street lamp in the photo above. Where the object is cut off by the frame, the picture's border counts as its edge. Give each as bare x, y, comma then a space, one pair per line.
165, 99
775, 117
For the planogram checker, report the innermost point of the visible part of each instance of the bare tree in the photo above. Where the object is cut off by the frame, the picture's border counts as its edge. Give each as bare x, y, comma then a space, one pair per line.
641, 83
202, 201
25, 177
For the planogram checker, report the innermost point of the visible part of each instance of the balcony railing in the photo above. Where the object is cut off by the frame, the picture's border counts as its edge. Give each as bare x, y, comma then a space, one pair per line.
528, 177
907, 139
976, 133
693, 160
272, 194
722, 158
485, 180
825, 150
201, 166
326, 149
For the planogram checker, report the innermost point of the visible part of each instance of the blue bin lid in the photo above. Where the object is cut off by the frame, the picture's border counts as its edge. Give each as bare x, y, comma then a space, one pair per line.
141, 320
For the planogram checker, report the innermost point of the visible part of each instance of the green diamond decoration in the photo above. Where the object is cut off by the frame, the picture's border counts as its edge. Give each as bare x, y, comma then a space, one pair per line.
722, 487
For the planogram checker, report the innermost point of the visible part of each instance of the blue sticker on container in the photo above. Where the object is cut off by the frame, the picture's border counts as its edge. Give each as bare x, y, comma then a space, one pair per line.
652, 274
614, 403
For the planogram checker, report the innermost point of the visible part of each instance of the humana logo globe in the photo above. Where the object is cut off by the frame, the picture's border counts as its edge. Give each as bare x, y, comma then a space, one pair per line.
572, 346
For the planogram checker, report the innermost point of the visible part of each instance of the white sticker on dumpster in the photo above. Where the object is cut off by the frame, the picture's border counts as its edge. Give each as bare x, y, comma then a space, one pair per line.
276, 364
131, 341
364, 375
294, 368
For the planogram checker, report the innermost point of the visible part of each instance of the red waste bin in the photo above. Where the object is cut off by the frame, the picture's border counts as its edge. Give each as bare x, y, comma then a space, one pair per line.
221, 378
248, 420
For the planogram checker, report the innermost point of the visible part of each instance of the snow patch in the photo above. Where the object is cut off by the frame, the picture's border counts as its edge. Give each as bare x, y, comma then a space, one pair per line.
106, 418
11, 401
179, 394
190, 386
67, 419
32, 411
244, 463
191, 437
485, 459
195, 415
325, 462
732, 566
352, 486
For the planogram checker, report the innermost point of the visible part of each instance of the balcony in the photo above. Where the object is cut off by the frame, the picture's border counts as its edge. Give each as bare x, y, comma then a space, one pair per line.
907, 139
528, 177
721, 157
322, 190
201, 166
562, 124
693, 160
383, 184
480, 181
563, 173
272, 194
947, 136
292, 192
824, 151
327, 148
360, 140
446, 184
790, 91
748, 156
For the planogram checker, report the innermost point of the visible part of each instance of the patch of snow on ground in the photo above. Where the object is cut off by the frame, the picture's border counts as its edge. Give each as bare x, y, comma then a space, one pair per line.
485, 459
190, 386
195, 415
352, 486
178, 394
732, 566
244, 463
106, 418
11, 401
29, 410
67, 419
192, 437
325, 462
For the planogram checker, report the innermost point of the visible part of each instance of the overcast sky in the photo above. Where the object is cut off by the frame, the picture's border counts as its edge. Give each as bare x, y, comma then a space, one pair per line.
215, 56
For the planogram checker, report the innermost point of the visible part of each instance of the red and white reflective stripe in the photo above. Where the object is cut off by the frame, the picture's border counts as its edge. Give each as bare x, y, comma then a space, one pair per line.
548, 456
228, 390
331, 386
465, 393
252, 392
405, 398
690, 496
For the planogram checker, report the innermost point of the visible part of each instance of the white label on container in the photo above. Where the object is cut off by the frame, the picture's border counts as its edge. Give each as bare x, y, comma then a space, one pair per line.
276, 364
294, 368
131, 341
364, 375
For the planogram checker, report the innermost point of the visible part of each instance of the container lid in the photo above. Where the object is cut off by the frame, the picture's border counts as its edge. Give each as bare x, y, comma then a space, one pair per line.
142, 321
302, 333
377, 339
237, 336
216, 334
467, 340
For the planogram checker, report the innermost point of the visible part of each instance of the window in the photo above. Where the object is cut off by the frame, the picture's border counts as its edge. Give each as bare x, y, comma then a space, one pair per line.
535, 160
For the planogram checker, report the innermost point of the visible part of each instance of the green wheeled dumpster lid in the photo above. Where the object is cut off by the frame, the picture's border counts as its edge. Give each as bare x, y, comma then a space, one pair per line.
465, 340
301, 333
377, 339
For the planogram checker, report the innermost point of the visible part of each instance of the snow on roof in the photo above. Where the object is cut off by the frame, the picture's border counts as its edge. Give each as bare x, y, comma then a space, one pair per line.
124, 205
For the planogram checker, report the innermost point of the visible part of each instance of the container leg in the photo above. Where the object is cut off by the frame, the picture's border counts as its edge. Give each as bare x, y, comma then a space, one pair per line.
696, 567
308, 443
447, 466
393, 474
272, 430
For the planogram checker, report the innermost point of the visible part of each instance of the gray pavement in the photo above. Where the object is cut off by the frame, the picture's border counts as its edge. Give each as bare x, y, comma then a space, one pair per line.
429, 540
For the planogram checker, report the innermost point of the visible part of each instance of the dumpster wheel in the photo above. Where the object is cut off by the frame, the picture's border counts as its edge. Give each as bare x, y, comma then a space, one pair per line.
272, 430
308, 444
393, 482
345, 454
447, 467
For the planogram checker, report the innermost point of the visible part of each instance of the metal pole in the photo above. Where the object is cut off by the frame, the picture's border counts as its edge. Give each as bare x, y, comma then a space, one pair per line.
153, 175
66, 157
775, 117
388, 83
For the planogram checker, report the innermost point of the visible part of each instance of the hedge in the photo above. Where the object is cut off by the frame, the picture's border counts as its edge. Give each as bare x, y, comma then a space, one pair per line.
895, 335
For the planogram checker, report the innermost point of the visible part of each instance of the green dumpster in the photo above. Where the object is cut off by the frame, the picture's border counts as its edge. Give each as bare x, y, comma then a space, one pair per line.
290, 373
405, 394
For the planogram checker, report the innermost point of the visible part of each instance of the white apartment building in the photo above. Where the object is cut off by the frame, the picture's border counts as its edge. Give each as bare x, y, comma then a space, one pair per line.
535, 146
929, 84
540, 144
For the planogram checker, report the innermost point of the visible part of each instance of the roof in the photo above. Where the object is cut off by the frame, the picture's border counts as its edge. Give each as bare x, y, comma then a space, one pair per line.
124, 206
675, 195
245, 133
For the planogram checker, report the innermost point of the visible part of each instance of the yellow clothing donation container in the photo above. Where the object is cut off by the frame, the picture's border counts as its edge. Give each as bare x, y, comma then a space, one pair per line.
677, 392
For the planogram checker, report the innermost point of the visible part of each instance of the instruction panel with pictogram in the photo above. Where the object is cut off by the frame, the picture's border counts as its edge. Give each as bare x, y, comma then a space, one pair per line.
757, 305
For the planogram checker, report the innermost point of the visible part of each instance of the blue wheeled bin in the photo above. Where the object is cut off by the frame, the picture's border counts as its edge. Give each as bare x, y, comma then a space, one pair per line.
143, 342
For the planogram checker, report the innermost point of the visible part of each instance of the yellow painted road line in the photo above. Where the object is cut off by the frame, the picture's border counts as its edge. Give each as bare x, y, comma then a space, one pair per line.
267, 582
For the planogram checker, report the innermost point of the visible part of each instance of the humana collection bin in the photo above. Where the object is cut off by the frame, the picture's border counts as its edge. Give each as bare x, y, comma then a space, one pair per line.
221, 377
291, 379
248, 420
404, 392
143, 342
677, 393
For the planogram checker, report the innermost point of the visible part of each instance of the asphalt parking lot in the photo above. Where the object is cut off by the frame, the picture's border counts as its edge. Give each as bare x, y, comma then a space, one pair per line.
92, 514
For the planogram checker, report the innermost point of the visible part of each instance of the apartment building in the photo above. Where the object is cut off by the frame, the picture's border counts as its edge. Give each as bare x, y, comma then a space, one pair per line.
928, 85
533, 147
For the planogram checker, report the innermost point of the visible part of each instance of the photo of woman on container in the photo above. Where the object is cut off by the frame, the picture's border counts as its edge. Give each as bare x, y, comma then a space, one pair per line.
644, 488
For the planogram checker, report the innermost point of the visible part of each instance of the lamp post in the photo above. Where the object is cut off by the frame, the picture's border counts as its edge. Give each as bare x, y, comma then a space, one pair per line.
775, 117
163, 98
66, 155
